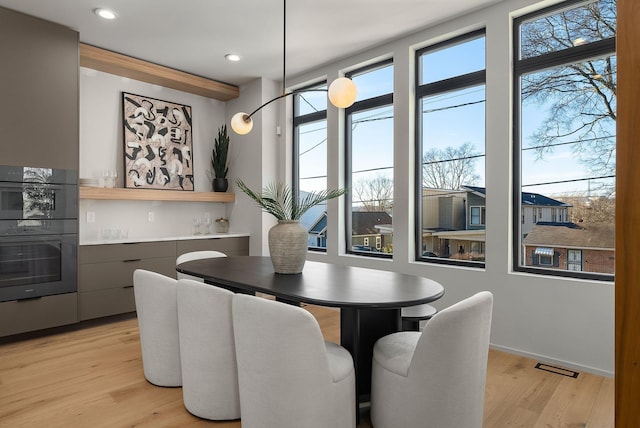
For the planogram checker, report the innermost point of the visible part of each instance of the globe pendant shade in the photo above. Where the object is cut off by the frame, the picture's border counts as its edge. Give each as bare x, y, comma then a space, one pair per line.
241, 123
342, 92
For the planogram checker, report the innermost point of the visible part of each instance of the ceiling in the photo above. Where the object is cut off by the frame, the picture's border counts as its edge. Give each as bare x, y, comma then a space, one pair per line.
194, 35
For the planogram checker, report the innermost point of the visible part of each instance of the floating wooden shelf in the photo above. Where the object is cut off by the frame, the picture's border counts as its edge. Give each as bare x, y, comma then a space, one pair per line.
154, 195
126, 66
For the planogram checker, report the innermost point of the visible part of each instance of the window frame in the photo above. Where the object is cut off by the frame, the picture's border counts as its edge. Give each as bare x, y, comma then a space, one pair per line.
359, 106
459, 82
482, 215
574, 54
297, 121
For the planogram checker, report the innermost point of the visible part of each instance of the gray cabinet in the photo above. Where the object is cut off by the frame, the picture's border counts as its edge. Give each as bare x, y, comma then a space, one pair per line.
39, 85
20, 316
105, 274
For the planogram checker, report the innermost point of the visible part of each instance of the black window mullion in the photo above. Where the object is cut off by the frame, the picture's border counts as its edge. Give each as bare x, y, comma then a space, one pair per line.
309, 118
369, 104
454, 83
566, 56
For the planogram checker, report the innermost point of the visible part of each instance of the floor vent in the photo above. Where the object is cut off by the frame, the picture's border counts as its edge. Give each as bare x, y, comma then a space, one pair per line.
557, 370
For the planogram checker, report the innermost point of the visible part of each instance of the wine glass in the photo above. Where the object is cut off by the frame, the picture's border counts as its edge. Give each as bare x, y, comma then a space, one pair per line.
112, 178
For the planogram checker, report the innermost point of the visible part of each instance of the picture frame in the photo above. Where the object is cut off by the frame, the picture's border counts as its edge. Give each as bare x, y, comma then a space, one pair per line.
158, 146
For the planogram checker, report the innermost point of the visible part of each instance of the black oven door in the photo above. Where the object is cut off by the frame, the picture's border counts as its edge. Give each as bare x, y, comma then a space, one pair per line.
37, 265
26, 201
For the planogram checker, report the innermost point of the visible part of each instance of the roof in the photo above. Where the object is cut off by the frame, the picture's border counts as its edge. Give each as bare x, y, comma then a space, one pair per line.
572, 235
527, 198
320, 225
364, 222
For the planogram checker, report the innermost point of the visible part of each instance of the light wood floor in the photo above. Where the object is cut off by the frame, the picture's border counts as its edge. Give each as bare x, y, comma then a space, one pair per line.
92, 377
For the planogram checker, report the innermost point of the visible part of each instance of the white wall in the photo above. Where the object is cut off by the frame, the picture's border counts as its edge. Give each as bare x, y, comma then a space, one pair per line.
556, 320
101, 147
255, 156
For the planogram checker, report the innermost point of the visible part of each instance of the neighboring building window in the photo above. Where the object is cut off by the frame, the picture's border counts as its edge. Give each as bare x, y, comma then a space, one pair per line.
478, 215
450, 168
564, 136
546, 260
310, 158
369, 162
477, 247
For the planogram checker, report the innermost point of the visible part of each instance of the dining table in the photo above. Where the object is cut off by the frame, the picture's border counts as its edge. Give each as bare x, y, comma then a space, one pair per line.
370, 300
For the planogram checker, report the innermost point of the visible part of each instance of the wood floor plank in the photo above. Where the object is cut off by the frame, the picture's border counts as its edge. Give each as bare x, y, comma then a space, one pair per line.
92, 377
571, 403
602, 414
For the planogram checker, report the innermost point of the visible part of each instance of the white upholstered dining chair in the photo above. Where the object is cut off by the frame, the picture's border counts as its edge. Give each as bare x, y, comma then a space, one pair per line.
434, 378
196, 255
156, 308
289, 377
207, 351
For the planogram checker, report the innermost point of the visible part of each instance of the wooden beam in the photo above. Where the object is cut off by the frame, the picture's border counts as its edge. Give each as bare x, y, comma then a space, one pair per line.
126, 66
627, 280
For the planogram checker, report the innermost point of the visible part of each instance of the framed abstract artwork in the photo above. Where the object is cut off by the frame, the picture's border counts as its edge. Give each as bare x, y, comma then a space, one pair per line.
158, 152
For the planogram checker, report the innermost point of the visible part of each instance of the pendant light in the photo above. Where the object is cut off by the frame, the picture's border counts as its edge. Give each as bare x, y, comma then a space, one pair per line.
342, 92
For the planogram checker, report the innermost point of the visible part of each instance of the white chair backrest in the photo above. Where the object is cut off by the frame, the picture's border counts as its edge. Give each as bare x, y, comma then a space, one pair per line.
283, 368
451, 355
207, 351
155, 297
285, 336
196, 255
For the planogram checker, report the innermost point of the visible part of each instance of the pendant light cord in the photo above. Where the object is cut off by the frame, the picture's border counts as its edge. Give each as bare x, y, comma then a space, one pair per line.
284, 46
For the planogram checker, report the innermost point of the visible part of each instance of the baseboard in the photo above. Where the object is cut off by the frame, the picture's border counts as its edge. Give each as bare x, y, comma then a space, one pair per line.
553, 361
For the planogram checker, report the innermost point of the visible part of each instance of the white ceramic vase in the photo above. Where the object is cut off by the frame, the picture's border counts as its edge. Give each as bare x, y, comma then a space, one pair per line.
288, 246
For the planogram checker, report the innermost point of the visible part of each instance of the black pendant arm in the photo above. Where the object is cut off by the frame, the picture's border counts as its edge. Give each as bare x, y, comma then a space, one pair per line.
246, 119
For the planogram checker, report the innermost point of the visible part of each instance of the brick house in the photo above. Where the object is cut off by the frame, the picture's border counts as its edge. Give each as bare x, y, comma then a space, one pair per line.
571, 246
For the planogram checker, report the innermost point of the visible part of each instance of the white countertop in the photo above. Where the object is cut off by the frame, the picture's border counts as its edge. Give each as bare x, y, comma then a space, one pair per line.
163, 238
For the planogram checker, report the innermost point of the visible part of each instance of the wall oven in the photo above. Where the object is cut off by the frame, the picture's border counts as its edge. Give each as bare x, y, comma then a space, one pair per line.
38, 232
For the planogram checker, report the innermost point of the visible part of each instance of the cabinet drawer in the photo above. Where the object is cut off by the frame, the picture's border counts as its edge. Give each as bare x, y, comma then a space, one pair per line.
118, 274
20, 316
103, 303
238, 246
132, 251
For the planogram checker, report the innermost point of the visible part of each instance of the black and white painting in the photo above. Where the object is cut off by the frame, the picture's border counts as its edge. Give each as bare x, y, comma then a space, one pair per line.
157, 143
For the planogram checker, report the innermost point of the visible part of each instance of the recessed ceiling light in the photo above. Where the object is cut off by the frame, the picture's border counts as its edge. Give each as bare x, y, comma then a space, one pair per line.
232, 57
105, 13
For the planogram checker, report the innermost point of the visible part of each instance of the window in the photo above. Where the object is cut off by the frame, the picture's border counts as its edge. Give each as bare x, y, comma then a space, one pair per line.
564, 136
369, 162
310, 158
478, 215
546, 260
450, 144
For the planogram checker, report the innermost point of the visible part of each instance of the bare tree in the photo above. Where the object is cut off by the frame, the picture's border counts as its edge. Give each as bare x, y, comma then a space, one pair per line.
590, 209
374, 194
450, 168
581, 96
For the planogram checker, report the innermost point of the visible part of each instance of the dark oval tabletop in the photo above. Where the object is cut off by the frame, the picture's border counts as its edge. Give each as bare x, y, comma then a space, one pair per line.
319, 283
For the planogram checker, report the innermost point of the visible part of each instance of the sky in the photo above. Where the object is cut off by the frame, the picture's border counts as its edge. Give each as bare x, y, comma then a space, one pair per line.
373, 129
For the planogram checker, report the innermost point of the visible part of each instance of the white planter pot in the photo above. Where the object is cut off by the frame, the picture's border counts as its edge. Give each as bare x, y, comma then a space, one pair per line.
288, 246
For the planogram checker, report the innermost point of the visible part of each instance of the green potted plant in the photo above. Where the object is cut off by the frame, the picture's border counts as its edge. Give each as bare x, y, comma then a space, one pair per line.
219, 160
287, 239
